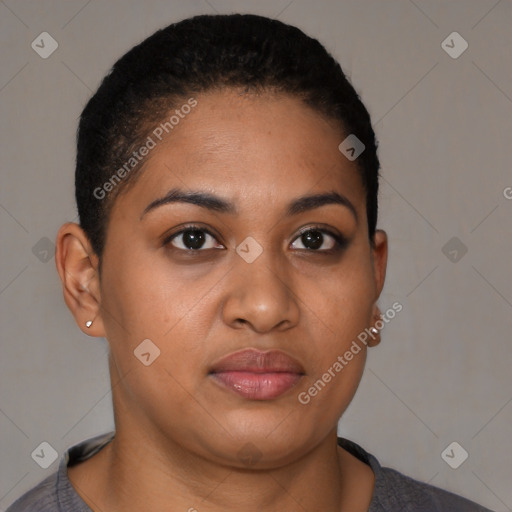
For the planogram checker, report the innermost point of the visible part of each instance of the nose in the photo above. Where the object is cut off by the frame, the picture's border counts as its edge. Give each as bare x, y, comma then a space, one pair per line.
260, 296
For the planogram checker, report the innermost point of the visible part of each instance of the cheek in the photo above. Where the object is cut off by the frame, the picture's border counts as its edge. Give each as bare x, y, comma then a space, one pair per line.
339, 309
341, 300
144, 302
142, 299
337, 358
145, 296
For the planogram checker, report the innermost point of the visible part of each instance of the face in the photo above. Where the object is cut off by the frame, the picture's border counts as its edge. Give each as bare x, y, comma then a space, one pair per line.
243, 262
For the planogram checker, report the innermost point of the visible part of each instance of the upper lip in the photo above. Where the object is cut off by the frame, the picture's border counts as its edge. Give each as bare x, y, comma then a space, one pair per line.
257, 361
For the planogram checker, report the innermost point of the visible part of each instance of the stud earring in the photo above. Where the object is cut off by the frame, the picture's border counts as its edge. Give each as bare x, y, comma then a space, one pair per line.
88, 323
374, 330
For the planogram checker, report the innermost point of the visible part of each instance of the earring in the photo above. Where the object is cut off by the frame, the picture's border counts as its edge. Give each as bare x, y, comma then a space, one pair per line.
374, 330
88, 323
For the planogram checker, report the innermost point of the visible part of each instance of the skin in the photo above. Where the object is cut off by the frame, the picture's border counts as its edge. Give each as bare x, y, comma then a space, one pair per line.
178, 433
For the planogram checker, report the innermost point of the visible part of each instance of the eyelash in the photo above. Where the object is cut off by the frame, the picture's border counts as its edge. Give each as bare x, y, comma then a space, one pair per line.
340, 241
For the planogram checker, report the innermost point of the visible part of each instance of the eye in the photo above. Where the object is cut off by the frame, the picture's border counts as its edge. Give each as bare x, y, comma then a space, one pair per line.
196, 238
313, 239
193, 238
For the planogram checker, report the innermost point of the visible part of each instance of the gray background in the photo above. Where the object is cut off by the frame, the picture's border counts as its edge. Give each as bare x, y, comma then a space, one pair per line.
442, 372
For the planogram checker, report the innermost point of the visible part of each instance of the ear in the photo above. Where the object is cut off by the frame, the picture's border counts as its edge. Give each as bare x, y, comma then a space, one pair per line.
379, 259
77, 265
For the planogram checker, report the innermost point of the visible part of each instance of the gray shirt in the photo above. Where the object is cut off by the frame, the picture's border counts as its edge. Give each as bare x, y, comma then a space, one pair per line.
393, 491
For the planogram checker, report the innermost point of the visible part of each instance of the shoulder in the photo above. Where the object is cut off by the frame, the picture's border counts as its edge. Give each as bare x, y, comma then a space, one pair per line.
55, 493
41, 498
395, 491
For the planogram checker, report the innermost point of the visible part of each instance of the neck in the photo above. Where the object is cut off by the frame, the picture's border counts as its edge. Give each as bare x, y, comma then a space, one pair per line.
140, 472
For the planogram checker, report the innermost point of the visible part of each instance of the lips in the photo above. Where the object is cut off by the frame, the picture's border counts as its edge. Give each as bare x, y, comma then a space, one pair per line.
257, 375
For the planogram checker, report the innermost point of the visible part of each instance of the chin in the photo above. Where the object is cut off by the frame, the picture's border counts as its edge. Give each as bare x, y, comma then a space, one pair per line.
261, 442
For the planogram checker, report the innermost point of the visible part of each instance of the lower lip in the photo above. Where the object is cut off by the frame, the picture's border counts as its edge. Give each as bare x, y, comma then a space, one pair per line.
257, 386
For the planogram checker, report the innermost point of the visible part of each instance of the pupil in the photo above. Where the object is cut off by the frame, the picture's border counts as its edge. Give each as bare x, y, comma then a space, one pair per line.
193, 239
312, 239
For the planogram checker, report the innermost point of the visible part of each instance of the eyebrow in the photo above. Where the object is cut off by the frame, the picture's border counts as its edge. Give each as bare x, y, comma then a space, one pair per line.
218, 204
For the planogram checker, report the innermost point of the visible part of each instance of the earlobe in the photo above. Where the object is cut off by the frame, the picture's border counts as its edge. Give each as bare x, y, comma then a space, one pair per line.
374, 330
77, 266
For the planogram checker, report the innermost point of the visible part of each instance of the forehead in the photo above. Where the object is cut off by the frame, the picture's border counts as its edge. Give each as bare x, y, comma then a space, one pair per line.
262, 149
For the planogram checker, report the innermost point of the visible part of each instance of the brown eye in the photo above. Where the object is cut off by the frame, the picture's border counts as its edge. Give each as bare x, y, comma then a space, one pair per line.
317, 240
193, 239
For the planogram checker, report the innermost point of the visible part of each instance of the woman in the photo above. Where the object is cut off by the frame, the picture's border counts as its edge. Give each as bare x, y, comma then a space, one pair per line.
226, 182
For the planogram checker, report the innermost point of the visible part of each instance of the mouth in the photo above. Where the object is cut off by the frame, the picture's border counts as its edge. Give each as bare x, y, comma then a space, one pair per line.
257, 375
